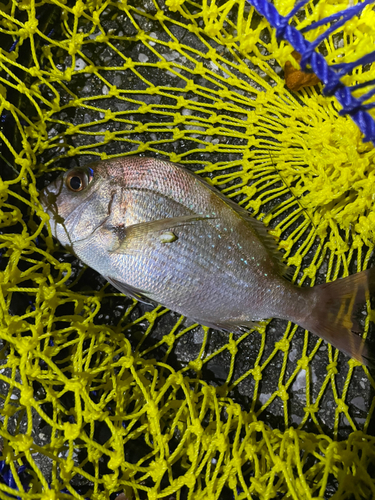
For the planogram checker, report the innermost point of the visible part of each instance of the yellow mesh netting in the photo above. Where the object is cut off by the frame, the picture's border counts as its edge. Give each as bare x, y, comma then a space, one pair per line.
101, 395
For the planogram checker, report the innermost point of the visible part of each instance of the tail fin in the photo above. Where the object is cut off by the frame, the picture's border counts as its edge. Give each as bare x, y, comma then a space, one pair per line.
333, 317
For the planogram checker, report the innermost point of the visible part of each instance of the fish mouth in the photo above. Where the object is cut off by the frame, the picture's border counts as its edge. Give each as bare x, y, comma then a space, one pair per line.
49, 195
48, 198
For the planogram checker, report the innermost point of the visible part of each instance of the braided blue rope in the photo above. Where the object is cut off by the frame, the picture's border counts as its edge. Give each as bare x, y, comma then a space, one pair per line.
329, 75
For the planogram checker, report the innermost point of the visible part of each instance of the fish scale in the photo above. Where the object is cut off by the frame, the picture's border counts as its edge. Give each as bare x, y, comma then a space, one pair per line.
157, 231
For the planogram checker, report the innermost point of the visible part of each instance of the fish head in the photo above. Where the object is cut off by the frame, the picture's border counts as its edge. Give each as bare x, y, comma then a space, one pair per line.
77, 202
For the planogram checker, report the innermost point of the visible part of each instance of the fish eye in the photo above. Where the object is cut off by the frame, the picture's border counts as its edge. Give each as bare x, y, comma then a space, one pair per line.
77, 180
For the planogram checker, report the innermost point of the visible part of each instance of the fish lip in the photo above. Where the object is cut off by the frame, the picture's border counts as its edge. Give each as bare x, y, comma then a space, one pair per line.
49, 194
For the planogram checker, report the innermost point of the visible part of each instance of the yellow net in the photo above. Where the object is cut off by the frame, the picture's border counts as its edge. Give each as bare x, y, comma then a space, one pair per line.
101, 395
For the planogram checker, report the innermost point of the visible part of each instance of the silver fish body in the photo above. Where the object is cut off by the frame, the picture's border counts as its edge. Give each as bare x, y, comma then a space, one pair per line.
157, 231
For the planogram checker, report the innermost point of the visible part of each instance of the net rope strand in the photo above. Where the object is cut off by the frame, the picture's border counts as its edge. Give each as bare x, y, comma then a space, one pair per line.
330, 75
100, 395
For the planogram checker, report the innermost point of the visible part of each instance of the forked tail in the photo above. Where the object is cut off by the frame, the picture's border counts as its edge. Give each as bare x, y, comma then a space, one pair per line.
333, 317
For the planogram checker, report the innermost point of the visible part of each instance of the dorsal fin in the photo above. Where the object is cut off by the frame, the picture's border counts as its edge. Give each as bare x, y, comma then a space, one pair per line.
257, 226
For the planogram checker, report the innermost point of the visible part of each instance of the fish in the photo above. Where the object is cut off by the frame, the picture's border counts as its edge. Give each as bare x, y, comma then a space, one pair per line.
156, 231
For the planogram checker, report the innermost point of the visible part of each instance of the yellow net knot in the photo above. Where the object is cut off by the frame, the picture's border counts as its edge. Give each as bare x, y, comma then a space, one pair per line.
221, 442
152, 411
164, 65
200, 68
78, 384
190, 479
354, 362
365, 225
174, 5
127, 361
72, 130
12, 360
49, 495
19, 242
142, 127
283, 394
35, 72
114, 92
76, 44
160, 16
178, 134
310, 409
282, 345
279, 465
303, 363
109, 482
341, 406
71, 431
93, 454
175, 157
332, 368
102, 38
109, 136
196, 427
66, 468
47, 293
23, 162
285, 244
311, 271
5, 104
157, 469
212, 11
208, 392
21, 443
250, 451
128, 64
255, 205
29, 28
257, 373
67, 75
152, 90
232, 347
342, 246
78, 9
33, 371
232, 480
26, 345
196, 365
296, 260
143, 147
96, 17
151, 316
117, 458
190, 86
191, 452
176, 379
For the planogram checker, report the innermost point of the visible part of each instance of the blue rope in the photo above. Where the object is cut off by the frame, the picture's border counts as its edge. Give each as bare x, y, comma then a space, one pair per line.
329, 75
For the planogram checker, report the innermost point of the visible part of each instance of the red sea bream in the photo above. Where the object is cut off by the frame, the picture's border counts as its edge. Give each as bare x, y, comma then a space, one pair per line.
155, 230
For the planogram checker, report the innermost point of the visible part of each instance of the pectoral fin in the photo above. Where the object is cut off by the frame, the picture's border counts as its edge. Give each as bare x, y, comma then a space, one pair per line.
128, 290
136, 231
